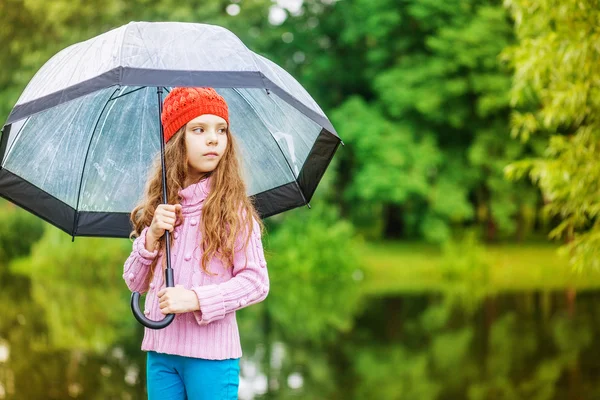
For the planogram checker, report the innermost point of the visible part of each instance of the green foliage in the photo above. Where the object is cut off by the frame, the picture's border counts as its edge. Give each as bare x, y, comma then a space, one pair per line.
555, 92
409, 268
466, 271
415, 88
80, 288
420, 97
386, 164
388, 372
500, 351
20, 230
514, 342
312, 258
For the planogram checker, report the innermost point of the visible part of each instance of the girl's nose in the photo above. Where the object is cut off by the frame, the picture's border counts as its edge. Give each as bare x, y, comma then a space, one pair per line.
212, 137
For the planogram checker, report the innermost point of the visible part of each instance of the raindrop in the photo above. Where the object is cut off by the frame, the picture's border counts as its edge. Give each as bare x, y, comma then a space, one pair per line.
293, 6
324, 42
131, 376
316, 8
105, 370
277, 355
299, 57
358, 275
277, 15
295, 380
4, 351
233, 9
260, 384
254, 32
287, 37
249, 368
75, 389
118, 353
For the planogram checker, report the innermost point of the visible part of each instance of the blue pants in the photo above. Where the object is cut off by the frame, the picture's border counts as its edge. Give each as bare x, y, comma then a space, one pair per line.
172, 377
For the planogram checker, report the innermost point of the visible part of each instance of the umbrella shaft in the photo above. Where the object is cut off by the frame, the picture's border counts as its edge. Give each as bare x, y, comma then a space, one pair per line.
168, 277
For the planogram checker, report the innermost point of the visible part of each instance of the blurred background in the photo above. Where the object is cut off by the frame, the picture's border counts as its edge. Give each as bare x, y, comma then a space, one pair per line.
452, 248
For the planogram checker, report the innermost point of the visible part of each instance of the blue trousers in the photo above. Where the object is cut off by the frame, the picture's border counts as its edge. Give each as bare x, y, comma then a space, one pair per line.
172, 377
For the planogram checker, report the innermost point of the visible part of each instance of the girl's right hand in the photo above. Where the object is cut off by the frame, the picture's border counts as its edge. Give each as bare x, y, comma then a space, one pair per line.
164, 219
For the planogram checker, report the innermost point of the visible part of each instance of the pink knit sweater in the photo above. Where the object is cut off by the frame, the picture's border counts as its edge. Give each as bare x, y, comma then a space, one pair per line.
212, 332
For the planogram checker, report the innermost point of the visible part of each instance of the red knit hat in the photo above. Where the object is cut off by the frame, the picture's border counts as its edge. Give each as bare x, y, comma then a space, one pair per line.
183, 104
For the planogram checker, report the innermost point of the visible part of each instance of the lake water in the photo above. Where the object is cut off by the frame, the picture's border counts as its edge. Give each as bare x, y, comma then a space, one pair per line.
538, 345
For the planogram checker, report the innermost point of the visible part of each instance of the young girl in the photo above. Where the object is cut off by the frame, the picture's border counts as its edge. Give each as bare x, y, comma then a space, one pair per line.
217, 255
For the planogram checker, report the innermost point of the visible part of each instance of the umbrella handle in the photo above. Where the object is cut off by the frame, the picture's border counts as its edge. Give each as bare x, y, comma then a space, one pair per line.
135, 296
137, 313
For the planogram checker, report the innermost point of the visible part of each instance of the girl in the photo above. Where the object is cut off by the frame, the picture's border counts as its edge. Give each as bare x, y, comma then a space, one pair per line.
217, 255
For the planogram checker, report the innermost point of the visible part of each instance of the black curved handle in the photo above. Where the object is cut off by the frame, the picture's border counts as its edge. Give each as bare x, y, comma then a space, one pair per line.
135, 296
139, 315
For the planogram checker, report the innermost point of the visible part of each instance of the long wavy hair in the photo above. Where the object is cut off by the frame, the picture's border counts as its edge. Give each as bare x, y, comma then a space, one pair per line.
227, 210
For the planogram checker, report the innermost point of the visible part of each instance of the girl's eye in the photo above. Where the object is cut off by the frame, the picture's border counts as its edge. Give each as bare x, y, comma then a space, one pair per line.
223, 130
197, 129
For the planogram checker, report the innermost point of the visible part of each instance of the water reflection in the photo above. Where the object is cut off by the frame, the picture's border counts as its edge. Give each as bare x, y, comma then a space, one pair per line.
509, 347
536, 345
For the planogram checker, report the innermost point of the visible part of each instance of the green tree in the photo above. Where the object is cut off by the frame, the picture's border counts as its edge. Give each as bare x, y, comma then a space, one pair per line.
80, 288
312, 261
556, 93
421, 99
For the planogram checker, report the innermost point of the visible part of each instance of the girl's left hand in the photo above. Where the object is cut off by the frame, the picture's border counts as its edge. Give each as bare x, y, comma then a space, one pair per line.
177, 300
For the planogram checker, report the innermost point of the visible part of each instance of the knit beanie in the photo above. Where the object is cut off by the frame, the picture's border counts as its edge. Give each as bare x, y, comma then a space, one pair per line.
183, 104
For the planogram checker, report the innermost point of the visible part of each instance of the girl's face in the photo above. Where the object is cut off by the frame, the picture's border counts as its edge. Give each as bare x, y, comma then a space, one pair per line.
205, 142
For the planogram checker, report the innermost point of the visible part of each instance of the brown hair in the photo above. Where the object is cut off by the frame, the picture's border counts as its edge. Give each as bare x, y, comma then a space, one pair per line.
221, 221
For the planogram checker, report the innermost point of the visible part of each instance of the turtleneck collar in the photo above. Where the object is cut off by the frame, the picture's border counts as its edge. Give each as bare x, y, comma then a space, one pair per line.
195, 193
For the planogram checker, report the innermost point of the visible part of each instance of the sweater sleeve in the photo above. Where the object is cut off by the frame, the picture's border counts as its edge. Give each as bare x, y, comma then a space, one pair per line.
248, 285
137, 265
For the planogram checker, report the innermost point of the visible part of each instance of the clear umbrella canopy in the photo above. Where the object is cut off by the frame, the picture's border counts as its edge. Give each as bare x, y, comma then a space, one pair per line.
77, 147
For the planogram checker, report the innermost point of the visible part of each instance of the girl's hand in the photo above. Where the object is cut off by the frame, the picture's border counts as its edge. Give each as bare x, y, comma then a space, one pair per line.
177, 300
163, 220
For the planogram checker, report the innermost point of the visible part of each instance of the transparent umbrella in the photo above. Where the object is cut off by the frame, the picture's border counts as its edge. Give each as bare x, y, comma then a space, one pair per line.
77, 146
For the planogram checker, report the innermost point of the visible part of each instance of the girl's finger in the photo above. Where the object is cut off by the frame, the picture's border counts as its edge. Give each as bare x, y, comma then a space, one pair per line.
166, 214
168, 207
171, 215
165, 226
168, 220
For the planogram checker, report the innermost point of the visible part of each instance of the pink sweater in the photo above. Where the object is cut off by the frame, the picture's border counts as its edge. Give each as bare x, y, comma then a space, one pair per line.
212, 332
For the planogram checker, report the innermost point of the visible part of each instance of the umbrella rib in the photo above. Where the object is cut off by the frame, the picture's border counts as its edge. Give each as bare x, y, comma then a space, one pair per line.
76, 219
278, 146
125, 94
49, 167
17, 136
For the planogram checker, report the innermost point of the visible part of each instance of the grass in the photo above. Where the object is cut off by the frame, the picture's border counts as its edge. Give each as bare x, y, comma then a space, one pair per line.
413, 267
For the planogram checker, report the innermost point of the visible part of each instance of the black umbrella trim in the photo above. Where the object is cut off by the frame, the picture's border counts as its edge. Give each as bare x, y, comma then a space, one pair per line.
316, 164
30, 197
152, 77
4, 143
103, 224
